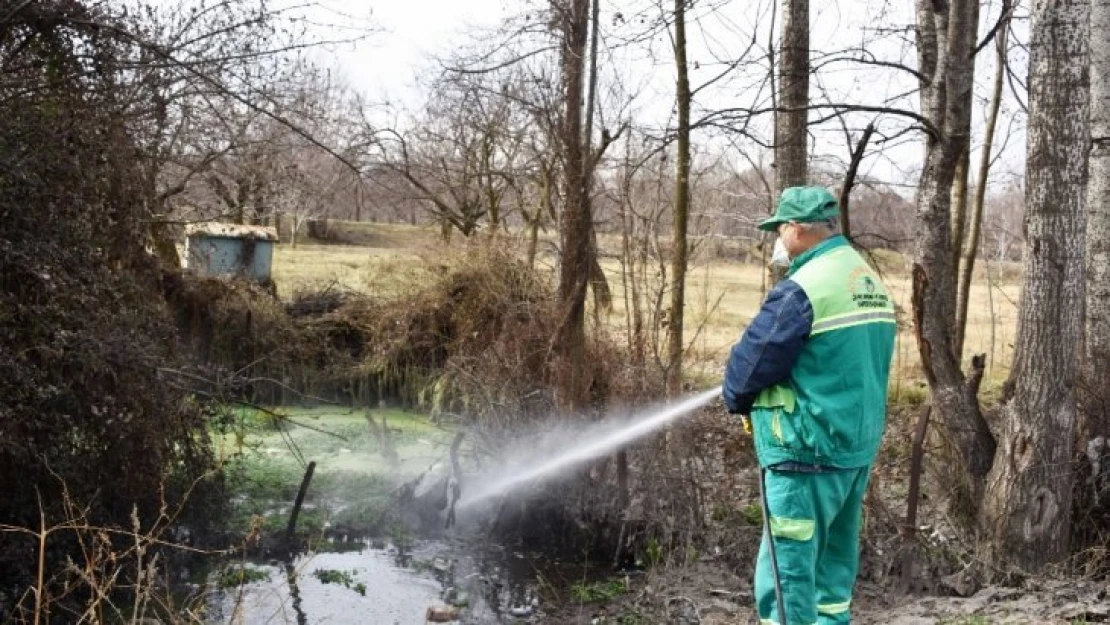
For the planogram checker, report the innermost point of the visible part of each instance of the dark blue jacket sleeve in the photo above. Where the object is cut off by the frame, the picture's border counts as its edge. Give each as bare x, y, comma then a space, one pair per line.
769, 348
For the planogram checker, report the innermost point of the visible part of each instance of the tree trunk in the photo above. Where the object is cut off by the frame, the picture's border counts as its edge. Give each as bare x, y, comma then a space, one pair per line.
971, 249
533, 241
946, 36
569, 342
1027, 510
959, 201
790, 121
681, 206
1095, 399
850, 181
960, 184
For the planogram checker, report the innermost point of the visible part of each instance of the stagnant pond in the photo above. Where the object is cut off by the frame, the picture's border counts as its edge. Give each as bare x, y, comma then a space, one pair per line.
362, 560
380, 586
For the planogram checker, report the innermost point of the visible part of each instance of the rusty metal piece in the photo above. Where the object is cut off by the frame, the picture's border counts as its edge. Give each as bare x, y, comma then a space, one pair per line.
441, 614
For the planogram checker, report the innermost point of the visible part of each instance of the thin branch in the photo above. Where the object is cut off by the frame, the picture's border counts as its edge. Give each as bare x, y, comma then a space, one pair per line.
502, 65
1003, 19
838, 109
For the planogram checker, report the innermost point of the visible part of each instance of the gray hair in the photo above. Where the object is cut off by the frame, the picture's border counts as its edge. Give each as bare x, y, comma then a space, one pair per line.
828, 227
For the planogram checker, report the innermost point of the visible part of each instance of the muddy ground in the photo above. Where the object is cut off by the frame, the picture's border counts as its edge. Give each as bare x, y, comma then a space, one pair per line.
709, 594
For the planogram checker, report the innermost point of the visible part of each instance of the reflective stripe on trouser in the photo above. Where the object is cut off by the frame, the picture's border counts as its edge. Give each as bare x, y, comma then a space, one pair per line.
815, 519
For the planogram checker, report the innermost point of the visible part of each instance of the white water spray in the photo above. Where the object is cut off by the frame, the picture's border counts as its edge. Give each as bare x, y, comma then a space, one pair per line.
592, 447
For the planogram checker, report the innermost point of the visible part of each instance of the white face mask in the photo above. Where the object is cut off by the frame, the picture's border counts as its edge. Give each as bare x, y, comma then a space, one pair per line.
779, 257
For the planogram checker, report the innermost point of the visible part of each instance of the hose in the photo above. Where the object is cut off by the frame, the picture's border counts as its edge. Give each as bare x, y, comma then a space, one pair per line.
771, 545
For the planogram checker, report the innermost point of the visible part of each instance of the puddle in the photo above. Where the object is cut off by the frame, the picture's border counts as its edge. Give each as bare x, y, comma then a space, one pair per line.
383, 586
351, 518
297, 594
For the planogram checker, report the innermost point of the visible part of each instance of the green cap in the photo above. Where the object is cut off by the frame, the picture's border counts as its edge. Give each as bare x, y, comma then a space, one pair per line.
803, 205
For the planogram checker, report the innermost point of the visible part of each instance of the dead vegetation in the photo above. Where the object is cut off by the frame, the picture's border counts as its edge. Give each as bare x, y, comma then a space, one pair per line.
83, 343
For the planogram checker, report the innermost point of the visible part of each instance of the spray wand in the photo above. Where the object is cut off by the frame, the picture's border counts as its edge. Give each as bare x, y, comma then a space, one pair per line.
747, 422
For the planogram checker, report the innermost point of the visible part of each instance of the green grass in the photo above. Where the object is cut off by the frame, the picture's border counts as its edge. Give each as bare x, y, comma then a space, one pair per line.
597, 591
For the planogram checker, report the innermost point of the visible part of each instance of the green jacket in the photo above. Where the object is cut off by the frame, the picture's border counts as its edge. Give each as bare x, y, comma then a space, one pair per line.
812, 367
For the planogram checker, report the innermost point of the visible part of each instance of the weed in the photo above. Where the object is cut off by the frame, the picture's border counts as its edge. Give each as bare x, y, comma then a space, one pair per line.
911, 395
343, 578
597, 591
753, 514
720, 513
968, 620
653, 553
235, 576
632, 617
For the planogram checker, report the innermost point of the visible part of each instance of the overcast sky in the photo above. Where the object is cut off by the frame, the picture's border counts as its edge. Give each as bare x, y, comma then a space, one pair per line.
410, 33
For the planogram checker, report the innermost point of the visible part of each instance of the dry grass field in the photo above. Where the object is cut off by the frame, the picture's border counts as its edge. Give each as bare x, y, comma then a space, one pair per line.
722, 296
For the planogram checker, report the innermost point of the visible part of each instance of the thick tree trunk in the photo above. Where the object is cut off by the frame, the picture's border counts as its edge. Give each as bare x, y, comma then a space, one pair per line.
946, 35
1095, 397
971, 249
790, 121
1027, 511
574, 266
681, 205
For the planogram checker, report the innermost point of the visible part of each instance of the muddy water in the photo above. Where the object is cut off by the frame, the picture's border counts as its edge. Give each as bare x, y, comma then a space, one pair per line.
391, 595
388, 575
387, 587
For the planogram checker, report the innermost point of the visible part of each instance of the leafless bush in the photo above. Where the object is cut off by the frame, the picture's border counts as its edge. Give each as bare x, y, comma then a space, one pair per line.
83, 333
112, 573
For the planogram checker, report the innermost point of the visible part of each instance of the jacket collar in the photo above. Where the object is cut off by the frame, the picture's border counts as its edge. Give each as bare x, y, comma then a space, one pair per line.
823, 247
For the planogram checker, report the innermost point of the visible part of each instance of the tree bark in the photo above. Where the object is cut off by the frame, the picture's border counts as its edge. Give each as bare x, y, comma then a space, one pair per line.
960, 184
959, 202
946, 35
569, 341
793, 71
1027, 511
1095, 398
681, 206
971, 249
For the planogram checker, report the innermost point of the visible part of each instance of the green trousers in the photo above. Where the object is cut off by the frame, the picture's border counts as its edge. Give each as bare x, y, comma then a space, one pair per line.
815, 520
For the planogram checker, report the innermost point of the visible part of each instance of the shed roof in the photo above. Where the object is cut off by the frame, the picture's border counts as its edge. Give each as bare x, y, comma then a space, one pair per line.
231, 231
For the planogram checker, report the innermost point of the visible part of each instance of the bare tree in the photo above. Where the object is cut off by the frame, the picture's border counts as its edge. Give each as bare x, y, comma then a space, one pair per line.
946, 40
675, 340
971, 245
793, 112
571, 18
199, 85
1095, 415
1027, 511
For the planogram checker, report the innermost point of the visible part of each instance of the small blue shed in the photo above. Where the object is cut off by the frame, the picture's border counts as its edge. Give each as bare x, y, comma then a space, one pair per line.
219, 249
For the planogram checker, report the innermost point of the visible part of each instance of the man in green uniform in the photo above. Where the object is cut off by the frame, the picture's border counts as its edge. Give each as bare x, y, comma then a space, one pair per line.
811, 371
